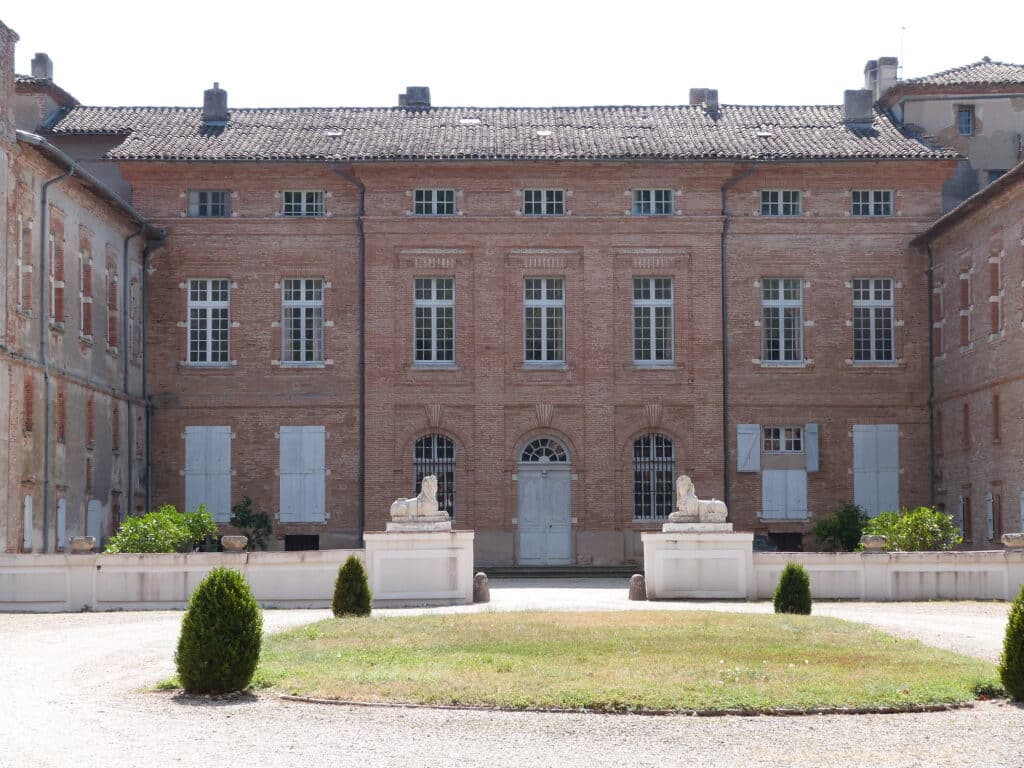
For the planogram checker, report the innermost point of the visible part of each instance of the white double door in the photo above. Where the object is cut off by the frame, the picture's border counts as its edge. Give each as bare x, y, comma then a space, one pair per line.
544, 515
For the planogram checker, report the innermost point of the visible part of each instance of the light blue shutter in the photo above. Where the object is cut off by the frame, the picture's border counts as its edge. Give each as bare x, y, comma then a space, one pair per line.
887, 452
865, 468
218, 486
990, 514
773, 494
811, 446
62, 523
27, 522
313, 439
748, 447
290, 469
196, 462
796, 494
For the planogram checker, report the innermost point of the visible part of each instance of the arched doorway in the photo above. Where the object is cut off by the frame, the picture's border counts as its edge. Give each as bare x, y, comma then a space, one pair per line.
544, 504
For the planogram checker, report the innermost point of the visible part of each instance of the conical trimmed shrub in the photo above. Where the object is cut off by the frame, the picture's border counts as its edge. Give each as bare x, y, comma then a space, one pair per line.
793, 594
1011, 664
221, 634
352, 590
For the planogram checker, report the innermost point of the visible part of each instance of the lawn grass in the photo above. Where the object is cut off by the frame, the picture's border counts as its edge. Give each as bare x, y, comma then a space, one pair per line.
620, 661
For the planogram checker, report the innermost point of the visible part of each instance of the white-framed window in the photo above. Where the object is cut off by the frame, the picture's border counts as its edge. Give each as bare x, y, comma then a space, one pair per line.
543, 202
434, 202
434, 320
302, 202
302, 320
208, 321
653, 202
872, 320
782, 320
303, 474
965, 120
654, 470
652, 320
544, 326
780, 202
872, 202
782, 439
209, 203
208, 470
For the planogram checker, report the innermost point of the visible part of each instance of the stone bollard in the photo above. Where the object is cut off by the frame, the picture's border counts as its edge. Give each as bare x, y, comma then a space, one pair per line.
481, 589
874, 542
234, 543
1013, 540
637, 587
82, 545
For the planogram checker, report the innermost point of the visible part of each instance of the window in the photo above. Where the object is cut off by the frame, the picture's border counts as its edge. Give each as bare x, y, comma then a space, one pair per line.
543, 202
965, 516
872, 202
24, 297
938, 320
544, 307
872, 320
85, 294
965, 121
783, 440
780, 202
652, 320
876, 467
995, 298
653, 202
209, 203
997, 434
56, 313
113, 306
434, 319
208, 325
995, 174
303, 203
782, 320
434, 202
303, 321
208, 470
303, 474
544, 450
654, 470
966, 307
435, 455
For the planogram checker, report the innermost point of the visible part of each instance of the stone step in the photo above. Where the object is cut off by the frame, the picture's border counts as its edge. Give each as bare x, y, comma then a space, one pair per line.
560, 571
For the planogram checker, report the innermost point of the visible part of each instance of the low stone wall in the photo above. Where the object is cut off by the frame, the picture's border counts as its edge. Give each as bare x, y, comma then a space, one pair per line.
885, 576
146, 582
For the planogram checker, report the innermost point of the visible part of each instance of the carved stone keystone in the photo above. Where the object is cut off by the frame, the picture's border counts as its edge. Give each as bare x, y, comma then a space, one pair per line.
234, 543
81, 545
1013, 540
481, 588
637, 587
874, 542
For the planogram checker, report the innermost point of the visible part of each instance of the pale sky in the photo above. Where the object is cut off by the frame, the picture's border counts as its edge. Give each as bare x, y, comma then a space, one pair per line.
513, 53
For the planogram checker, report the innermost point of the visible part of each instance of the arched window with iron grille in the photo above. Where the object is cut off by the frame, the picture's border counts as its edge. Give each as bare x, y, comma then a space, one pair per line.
654, 469
435, 455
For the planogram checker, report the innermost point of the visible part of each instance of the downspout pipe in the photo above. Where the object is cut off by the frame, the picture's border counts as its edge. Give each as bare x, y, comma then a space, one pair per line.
126, 365
151, 246
361, 234
44, 335
731, 182
931, 376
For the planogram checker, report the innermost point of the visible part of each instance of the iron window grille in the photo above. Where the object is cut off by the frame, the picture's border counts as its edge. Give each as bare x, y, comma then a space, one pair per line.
434, 319
780, 202
209, 203
434, 202
782, 320
654, 469
208, 322
652, 320
435, 455
872, 202
653, 202
303, 321
872, 320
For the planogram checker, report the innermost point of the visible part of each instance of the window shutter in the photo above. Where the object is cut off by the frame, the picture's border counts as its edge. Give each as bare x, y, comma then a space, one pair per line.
748, 447
291, 474
62, 523
796, 494
773, 494
193, 203
990, 517
218, 493
887, 452
313, 439
195, 467
27, 525
865, 468
961, 509
811, 446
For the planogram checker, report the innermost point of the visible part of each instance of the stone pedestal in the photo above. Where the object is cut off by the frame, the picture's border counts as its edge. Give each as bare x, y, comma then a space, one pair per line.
698, 560
416, 564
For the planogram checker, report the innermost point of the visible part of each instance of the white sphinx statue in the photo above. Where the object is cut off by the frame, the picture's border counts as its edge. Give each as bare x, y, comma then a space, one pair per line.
690, 509
422, 508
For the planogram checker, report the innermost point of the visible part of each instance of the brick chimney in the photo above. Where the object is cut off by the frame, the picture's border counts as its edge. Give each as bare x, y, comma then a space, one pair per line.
215, 106
42, 67
857, 106
8, 38
415, 97
704, 97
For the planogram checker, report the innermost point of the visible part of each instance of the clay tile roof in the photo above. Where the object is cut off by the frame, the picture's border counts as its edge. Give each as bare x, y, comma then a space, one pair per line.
467, 133
984, 72
29, 84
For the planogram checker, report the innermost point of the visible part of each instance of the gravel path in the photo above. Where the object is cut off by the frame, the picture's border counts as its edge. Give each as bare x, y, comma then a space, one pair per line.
70, 697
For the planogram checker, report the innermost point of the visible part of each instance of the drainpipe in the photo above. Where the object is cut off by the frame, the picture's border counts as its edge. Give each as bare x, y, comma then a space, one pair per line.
355, 182
151, 246
126, 365
731, 182
44, 333
931, 378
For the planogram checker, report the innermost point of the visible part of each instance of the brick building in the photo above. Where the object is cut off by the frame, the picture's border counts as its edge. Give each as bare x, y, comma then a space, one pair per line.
556, 311
71, 367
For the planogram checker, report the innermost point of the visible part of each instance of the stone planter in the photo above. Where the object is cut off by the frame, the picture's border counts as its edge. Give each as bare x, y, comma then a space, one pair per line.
234, 543
874, 543
82, 544
1013, 540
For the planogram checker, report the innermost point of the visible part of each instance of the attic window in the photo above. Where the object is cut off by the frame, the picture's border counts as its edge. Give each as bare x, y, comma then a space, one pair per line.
335, 134
543, 133
469, 121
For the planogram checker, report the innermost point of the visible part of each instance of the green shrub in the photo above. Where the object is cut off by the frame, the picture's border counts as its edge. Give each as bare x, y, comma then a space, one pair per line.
1011, 663
793, 594
921, 529
841, 530
351, 590
254, 525
163, 530
221, 633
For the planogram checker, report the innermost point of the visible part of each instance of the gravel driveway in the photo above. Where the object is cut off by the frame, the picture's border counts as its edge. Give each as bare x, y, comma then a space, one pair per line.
70, 697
